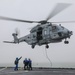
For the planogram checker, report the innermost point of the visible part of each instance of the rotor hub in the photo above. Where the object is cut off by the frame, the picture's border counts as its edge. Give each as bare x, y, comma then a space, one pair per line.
43, 22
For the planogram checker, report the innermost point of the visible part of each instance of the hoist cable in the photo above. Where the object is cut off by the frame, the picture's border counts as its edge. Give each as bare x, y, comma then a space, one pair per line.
48, 57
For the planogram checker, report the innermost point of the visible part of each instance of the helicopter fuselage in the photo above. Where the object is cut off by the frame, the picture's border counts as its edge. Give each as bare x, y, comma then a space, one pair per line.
45, 34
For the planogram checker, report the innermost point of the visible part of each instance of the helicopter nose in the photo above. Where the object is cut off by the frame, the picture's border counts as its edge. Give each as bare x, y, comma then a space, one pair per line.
70, 33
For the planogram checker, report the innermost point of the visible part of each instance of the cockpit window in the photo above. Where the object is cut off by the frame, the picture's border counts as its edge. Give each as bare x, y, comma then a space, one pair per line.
62, 27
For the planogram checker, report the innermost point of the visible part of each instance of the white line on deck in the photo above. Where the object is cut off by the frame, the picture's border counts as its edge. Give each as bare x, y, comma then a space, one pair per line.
17, 72
3, 68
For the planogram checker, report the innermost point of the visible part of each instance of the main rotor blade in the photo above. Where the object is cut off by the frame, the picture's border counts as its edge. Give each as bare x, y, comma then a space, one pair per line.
58, 8
18, 20
64, 22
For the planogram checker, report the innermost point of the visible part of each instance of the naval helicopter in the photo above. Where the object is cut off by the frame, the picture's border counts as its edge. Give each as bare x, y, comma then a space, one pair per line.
44, 32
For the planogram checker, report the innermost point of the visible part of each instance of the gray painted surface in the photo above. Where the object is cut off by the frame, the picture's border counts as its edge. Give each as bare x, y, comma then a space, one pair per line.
36, 71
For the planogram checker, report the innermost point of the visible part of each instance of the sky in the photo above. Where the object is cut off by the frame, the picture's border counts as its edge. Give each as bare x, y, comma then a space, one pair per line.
35, 10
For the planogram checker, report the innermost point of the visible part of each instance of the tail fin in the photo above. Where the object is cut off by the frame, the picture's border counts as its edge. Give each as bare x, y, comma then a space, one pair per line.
16, 40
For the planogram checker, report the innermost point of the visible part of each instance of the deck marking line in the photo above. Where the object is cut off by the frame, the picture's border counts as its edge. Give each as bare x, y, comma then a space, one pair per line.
3, 69
17, 72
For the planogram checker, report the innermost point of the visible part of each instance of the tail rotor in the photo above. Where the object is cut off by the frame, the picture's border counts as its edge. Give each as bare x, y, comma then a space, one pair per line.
17, 32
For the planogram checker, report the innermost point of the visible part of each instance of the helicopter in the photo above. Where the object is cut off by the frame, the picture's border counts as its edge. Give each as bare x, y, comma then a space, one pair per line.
44, 32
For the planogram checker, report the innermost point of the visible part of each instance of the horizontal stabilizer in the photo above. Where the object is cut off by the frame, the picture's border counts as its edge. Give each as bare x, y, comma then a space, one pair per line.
8, 42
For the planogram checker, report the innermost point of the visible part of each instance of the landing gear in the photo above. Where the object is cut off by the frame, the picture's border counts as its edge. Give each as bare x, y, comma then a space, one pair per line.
66, 42
47, 46
33, 46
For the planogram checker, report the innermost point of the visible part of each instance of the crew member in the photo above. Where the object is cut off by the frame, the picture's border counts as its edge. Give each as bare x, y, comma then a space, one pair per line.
16, 63
30, 64
25, 62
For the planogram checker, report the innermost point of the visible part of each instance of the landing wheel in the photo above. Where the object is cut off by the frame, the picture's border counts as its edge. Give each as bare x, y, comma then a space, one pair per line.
47, 46
66, 42
33, 46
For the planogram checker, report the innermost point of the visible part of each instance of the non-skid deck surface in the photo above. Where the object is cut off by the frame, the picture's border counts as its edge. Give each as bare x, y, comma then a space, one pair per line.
37, 71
